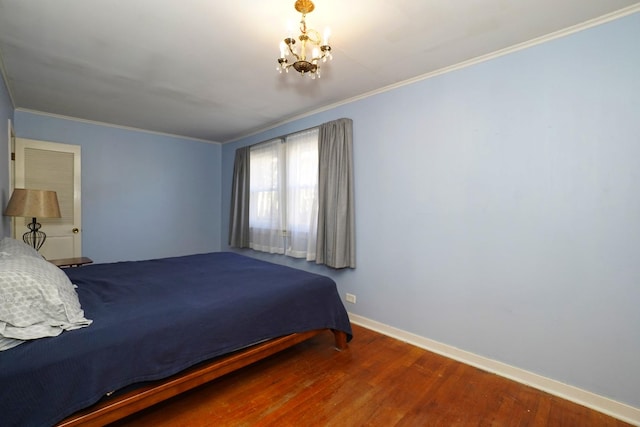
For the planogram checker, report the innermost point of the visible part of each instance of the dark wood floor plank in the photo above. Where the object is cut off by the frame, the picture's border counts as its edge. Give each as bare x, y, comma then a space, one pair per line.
378, 381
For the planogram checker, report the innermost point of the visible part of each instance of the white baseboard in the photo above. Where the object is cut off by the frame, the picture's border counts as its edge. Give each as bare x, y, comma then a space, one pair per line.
599, 403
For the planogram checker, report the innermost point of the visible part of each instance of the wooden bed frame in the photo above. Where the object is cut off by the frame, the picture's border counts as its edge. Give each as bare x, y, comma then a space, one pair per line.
113, 408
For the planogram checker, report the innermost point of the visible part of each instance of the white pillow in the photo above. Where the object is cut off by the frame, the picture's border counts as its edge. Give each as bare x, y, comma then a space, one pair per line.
7, 343
13, 247
37, 299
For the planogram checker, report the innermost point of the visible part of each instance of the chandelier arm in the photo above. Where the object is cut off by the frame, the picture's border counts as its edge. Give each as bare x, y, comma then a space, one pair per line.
314, 37
290, 42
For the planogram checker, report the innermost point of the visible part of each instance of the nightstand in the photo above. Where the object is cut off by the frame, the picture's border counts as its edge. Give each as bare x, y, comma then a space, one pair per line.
70, 262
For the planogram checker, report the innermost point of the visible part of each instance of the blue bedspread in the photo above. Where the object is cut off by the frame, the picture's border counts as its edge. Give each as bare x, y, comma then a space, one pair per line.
152, 319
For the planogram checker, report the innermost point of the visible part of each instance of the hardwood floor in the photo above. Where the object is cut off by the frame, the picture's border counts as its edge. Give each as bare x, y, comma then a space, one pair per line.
378, 381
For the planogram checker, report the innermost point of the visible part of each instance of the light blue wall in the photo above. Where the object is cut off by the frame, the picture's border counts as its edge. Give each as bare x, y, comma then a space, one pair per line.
144, 195
498, 208
6, 114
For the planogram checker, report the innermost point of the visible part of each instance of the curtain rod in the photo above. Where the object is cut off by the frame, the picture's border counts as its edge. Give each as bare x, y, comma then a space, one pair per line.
298, 131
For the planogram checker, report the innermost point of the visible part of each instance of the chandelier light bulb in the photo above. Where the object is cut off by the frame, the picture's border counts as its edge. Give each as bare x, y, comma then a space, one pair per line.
290, 29
327, 34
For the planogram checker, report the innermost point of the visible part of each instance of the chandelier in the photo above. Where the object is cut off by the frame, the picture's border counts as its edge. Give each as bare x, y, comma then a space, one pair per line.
298, 57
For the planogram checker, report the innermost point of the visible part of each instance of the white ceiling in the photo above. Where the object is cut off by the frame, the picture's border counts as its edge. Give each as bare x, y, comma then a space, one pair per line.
207, 68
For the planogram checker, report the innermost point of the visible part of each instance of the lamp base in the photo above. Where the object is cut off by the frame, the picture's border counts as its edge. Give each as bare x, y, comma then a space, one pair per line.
34, 237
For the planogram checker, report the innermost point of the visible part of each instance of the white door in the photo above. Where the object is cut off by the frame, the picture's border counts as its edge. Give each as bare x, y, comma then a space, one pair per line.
46, 165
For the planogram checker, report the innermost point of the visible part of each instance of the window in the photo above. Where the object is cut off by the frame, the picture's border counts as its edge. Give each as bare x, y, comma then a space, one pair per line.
283, 196
294, 196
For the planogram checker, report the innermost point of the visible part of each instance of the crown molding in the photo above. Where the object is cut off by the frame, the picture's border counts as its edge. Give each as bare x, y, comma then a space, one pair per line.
5, 78
130, 128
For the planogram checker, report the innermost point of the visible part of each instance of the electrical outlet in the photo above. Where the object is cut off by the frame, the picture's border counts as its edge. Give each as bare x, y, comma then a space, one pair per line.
351, 298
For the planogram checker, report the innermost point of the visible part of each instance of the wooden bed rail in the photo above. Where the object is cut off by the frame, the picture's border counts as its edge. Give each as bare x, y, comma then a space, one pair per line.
117, 407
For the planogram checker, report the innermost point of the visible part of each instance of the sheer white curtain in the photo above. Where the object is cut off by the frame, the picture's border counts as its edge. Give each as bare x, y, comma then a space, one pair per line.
283, 211
302, 194
266, 222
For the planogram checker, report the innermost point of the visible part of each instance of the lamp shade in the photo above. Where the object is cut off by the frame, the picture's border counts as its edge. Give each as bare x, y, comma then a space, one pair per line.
33, 203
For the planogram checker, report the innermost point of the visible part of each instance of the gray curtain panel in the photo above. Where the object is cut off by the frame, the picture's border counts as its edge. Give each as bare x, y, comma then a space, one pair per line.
239, 212
336, 245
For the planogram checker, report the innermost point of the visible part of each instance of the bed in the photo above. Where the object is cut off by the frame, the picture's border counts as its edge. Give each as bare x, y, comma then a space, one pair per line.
160, 327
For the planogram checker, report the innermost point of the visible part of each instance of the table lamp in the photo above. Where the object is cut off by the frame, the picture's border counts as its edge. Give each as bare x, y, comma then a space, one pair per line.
33, 203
